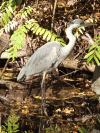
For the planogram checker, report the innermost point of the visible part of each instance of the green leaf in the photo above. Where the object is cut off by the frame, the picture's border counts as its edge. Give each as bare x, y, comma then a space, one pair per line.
35, 28
98, 48
87, 55
92, 47
28, 26
1, 31
13, 42
77, 34
4, 19
15, 126
92, 62
22, 35
2, 22
97, 41
60, 40
3, 132
14, 36
96, 60
63, 44
6, 123
42, 32
28, 11
25, 13
15, 131
97, 54
97, 37
45, 35
49, 36
9, 126
55, 35
90, 58
24, 29
53, 38
4, 127
80, 30
9, 55
8, 12
38, 30
10, 49
10, 9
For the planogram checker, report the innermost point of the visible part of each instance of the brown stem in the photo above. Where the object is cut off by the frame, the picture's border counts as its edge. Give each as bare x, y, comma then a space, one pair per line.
4, 68
52, 24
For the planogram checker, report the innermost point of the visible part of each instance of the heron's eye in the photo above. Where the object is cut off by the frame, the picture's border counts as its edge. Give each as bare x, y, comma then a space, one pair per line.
72, 22
82, 22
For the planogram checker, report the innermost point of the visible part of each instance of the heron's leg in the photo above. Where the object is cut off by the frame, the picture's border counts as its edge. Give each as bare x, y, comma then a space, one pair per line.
43, 92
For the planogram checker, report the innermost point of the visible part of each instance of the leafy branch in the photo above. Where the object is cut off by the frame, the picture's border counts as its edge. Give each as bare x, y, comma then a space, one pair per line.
11, 125
45, 33
6, 16
94, 52
6, 11
17, 39
26, 11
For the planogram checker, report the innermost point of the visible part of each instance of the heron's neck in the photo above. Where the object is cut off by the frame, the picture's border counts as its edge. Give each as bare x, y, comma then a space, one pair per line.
72, 39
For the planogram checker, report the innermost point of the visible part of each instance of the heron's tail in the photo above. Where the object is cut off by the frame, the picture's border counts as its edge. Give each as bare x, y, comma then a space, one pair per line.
21, 75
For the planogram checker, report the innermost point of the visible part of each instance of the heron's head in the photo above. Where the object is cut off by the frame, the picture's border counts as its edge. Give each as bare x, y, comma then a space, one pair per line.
78, 23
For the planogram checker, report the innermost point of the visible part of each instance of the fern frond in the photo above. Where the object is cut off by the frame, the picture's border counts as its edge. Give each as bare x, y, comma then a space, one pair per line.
45, 33
20, 34
6, 15
94, 52
9, 13
24, 13
1, 31
10, 26
17, 41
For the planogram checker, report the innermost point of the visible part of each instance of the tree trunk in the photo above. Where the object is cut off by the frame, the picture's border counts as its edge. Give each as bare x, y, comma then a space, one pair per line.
96, 81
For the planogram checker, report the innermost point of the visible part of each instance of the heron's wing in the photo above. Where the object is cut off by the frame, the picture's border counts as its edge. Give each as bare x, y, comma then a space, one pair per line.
43, 60
42, 52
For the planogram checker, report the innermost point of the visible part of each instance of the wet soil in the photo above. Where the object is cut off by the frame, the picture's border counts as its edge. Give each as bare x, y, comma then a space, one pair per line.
70, 103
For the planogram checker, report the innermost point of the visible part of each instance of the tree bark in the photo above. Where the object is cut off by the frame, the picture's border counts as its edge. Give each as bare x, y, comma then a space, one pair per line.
96, 81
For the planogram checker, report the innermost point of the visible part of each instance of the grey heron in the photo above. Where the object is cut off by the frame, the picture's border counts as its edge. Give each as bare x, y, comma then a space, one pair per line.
47, 58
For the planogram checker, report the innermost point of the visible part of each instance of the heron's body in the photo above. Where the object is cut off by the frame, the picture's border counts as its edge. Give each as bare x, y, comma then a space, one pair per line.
48, 60
48, 57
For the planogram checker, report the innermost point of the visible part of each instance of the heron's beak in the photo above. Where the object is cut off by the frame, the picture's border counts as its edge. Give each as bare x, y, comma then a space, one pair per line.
89, 24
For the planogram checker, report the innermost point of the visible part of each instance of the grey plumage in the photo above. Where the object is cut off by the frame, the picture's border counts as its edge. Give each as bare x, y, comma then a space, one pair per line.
50, 55
46, 58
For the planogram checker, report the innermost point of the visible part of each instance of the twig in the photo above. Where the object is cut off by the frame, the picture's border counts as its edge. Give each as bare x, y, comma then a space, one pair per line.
37, 4
94, 5
52, 24
82, 7
4, 47
90, 40
69, 73
4, 68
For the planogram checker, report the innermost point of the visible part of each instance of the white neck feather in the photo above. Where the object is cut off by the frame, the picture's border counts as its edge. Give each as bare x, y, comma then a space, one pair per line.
72, 39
